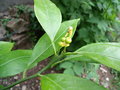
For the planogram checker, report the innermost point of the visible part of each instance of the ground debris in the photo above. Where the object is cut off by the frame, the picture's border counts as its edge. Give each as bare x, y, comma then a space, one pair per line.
17, 25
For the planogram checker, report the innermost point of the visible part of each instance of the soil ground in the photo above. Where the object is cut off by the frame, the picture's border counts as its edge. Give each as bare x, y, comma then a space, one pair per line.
32, 84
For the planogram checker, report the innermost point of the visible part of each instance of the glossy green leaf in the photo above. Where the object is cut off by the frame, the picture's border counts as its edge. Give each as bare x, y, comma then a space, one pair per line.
67, 82
78, 57
5, 47
49, 16
104, 53
14, 62
44, 49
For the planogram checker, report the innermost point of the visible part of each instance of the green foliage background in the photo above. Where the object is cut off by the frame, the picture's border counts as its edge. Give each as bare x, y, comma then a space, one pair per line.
99, 22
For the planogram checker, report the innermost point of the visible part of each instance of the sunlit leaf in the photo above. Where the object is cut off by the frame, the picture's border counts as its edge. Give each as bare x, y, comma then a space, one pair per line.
14, 62
104, 53
44, 49
49, 16
67, 82
5, 47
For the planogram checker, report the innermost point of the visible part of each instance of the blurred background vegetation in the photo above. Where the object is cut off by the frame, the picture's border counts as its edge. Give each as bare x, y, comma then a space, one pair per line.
99, 20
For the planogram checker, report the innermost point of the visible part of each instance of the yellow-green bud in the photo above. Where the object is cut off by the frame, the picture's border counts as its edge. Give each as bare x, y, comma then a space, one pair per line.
63, 39
70, 28
67, 45
70, 31
62, 44
68, 40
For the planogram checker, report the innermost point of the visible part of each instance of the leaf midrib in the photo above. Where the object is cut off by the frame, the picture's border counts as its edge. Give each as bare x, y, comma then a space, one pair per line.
48, 46
97, 54
54, 82
103, 55
110, 44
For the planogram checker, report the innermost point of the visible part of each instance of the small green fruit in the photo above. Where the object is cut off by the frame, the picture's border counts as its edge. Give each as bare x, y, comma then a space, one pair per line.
68, 40
62, 44
67, 45
63, 39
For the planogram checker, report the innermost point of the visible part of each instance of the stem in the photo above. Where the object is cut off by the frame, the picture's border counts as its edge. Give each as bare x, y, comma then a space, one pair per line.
72, 53
20, 81
64, 50
54, 48
24, 74
25, 79
54, 59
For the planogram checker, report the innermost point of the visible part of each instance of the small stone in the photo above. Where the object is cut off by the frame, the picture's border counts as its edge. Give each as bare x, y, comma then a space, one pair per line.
24, 87
18, 37
17, 25
103, 70
2, 32
16, 77
107, 79
38, 87
37, 81
17, 85
1, 15
52, 71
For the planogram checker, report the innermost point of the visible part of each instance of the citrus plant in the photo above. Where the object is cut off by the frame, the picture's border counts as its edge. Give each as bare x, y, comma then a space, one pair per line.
58, 35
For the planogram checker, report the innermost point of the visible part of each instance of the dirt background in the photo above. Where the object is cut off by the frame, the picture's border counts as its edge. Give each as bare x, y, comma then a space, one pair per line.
4, 4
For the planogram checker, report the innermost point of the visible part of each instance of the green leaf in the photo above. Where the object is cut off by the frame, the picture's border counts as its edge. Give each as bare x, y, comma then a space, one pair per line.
115, 1
14, 62
5, 47
76, 58
69, 71
78, 68
100, 6
49, 16
66, 65
67, 82
43, 49
103, 25
104, 53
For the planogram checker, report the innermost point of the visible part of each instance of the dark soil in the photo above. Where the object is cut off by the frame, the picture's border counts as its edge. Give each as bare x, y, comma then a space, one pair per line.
32, 84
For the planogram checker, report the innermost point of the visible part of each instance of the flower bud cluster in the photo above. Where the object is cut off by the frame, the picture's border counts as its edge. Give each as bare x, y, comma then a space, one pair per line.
67, 39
